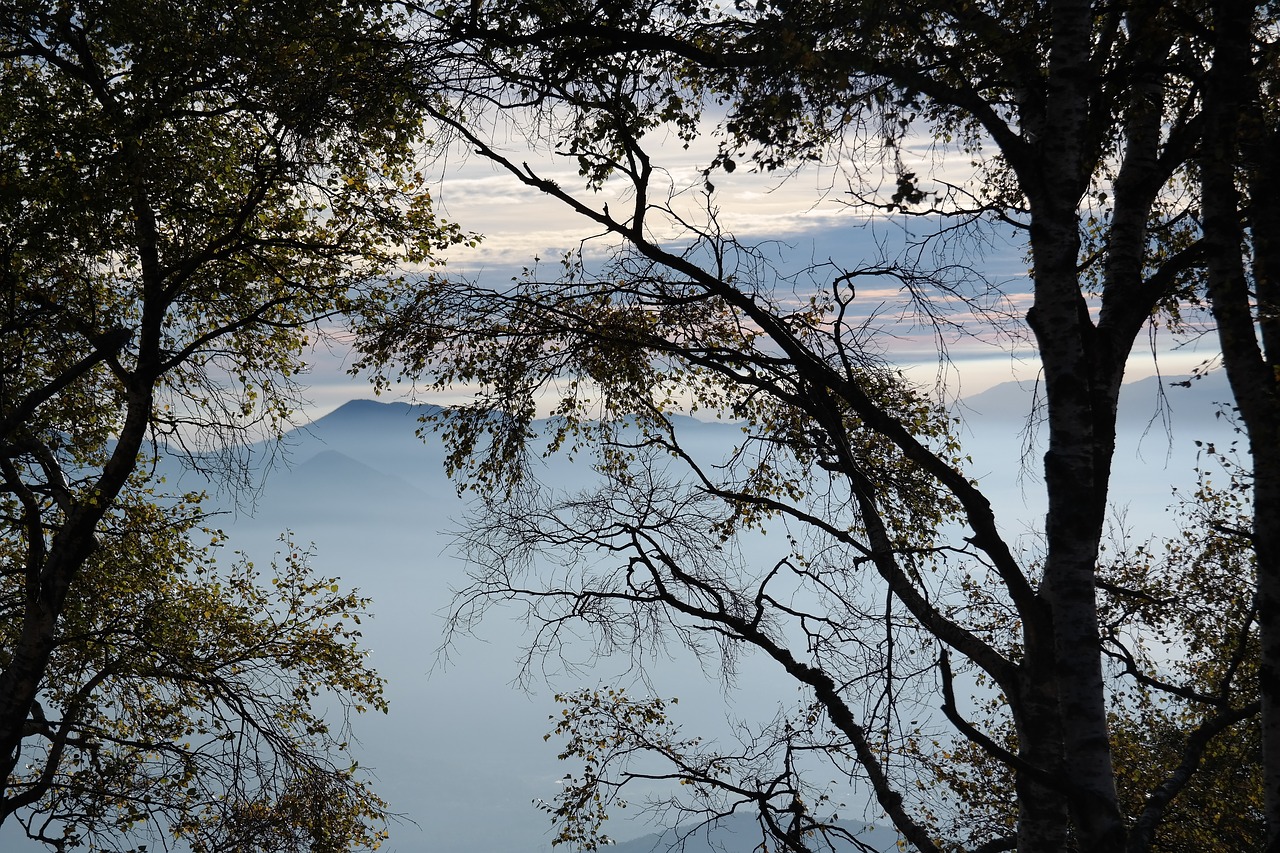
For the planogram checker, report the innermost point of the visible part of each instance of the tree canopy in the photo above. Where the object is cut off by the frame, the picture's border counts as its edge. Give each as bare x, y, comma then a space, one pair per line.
186, 190
1104, 136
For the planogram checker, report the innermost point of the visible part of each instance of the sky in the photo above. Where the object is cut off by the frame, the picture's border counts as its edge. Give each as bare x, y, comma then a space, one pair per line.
462, 754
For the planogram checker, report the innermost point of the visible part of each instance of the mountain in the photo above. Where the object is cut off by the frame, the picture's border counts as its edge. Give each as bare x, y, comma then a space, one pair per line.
740, 833
1144, 402
331, 485
380, 435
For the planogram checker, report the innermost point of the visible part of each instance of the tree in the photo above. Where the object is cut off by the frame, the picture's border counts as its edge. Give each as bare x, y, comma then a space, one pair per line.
1238, 181
1180, 619
181, 701
1090, 125
186, 190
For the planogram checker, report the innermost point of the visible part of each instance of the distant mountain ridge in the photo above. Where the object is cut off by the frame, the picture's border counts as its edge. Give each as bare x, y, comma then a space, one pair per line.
740, 833
367, 448
1140, 400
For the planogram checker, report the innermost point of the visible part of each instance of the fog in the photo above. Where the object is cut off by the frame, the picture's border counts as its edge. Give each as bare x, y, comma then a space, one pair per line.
462, 755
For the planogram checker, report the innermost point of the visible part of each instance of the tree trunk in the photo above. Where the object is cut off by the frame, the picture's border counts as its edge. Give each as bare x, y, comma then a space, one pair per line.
1076, 465
1250, 370
47, 585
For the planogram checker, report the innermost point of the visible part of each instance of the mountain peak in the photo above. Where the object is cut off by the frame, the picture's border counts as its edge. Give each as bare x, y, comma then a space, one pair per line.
364, 411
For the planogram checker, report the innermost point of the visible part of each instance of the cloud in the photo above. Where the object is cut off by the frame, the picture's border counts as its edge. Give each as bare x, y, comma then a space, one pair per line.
803, 226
